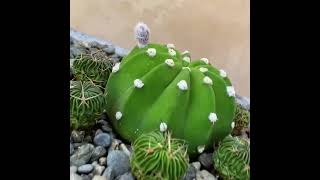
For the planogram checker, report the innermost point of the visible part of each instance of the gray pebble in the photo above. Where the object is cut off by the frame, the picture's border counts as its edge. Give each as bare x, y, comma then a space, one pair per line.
98, 132
119, 162
71, 149
85, 169
126, 176
77, 136
86, 177
103, 161
73, 169
98, 170
109, 173
77, 145
110, 49
75, 51
206, 160
98, 152
205, 175
87, 139
82, 155
197, 165
100, 178
74, 176
190, 174
102, 139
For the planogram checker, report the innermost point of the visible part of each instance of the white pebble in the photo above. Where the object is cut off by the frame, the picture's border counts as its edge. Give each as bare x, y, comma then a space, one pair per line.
205, 60
152, 52
172, 52
231, 92
213, 117
138, 83
170, 46
163, 127
169, 62
223, 73
182, 85
118, 115
186, 59
116, 68
207, 80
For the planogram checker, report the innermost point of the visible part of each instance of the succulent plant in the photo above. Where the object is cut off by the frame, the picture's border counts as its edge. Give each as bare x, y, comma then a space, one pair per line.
158, 156
232, 158
94, 67
156, 86
86, 104
241, 120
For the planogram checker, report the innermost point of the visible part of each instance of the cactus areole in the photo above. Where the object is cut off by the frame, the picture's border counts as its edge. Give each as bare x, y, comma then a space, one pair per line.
155, 88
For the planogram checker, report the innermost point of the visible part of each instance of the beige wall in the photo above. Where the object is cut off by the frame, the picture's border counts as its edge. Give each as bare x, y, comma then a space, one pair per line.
216, 29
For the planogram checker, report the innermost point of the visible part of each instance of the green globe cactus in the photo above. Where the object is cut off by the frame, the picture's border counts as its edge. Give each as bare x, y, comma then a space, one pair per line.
157, 85
242, 118
86, 104
94, 67
232, 159
158, 156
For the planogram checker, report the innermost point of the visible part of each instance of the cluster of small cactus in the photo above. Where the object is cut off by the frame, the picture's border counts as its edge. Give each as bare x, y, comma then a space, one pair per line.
86, 104
157, 87
93, 67
232, 159
158, 156
242, 119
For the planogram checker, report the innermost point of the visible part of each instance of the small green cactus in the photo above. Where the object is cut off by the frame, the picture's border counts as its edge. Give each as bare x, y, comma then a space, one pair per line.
156, 84
94, 67
242, 119
158, 156
232, 159
86, 104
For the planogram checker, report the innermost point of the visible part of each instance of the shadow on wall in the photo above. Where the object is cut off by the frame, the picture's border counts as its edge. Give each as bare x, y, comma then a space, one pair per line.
216, 29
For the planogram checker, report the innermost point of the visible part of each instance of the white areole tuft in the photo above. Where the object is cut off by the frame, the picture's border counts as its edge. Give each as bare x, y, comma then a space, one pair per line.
163, 127
138, 83
203, 69
172, 52
207, 80
232, 125
213, 117
169, 62
116, 68
118, 115
231, 92
223, 73
201, 148
170, 46
152, 52
205, 60
186, 59
182, 85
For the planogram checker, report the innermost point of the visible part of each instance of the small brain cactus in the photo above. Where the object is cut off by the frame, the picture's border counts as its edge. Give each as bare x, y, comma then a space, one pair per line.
232, 159
157, 87
94, 67
157, 156
86, 103
241, 120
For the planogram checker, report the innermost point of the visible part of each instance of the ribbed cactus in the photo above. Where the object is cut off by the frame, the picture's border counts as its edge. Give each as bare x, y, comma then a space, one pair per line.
241, 120
94, 67
158, 156
86, 104
157, 87
232, 159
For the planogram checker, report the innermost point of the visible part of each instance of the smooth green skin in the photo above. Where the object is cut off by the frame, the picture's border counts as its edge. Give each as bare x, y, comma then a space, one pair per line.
158, 156
232, 159
160, 100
